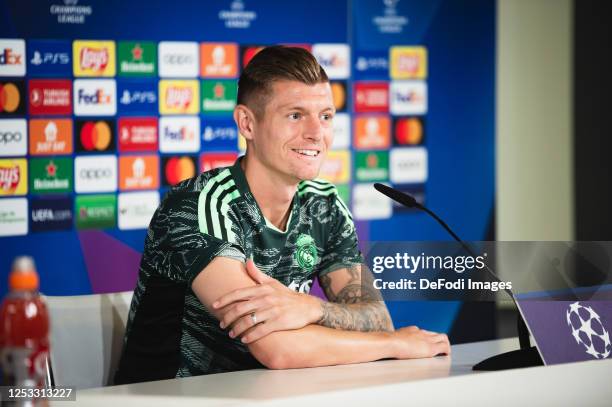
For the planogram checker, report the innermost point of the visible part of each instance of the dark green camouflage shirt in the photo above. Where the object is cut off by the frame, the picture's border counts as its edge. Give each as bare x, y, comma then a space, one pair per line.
169, 332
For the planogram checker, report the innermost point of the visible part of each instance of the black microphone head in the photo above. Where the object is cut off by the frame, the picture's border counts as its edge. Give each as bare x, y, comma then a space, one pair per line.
396, 195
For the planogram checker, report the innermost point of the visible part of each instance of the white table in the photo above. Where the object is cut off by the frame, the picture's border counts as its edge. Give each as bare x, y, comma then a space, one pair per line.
422, 382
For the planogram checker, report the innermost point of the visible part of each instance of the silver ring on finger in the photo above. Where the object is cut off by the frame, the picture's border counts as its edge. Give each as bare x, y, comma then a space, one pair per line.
254, 318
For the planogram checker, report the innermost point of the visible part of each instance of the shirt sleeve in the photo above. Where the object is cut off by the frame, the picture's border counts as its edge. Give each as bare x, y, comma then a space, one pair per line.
180, 249
341, 249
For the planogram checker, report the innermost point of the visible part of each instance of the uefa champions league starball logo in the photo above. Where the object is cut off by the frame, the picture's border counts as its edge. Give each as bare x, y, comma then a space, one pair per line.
588, 330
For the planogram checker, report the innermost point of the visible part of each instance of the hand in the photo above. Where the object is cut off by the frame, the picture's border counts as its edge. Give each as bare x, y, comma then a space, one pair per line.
412, 343
275, 306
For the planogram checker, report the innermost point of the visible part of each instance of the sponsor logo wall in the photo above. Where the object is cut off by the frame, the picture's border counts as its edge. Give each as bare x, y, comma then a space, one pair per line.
93, 132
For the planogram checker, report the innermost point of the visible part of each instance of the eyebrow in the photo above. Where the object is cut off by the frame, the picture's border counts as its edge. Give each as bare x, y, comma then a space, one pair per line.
303, 109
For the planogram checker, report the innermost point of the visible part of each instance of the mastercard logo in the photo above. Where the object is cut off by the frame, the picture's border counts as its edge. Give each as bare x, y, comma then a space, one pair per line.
10, 98
339, 95
95, 136
409, 131
177, 169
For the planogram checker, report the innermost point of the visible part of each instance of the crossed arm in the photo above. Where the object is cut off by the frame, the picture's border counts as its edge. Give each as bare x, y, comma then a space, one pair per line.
289, 336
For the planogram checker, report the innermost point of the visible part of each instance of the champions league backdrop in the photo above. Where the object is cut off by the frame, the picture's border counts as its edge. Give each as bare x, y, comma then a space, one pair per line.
105, 105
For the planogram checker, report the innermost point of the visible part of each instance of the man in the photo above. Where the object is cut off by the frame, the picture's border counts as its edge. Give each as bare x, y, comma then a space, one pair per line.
226, 251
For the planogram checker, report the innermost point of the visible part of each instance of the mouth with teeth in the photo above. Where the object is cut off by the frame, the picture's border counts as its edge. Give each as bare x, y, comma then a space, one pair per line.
306, 152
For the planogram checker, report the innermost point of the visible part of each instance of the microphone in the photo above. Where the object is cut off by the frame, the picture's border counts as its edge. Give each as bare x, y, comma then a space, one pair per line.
523, 357
410, 202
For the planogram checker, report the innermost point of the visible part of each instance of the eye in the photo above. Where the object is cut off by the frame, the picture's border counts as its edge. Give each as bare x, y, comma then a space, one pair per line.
295, 116
327, 117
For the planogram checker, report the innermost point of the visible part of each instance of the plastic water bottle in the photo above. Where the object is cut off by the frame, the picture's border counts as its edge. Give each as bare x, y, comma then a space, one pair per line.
24, 328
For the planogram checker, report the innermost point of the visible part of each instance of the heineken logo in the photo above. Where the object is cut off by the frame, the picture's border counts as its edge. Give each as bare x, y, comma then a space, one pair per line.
306, 253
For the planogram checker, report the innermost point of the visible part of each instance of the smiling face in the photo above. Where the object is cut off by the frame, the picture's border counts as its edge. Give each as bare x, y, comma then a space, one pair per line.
293, 135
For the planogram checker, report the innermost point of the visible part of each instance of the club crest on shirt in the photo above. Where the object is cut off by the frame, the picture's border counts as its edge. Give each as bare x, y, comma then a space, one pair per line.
306, 252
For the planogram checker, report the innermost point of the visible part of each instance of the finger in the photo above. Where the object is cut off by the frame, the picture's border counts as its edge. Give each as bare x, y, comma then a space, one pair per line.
246, 322
240, 294
442, 348
437, 338
255, 273
259, 331
239, 309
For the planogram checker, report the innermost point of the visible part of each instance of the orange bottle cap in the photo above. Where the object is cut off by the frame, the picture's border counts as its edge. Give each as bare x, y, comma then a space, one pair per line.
24, 276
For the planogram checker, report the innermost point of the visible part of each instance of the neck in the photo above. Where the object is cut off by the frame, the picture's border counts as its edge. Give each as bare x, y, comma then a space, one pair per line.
272, 192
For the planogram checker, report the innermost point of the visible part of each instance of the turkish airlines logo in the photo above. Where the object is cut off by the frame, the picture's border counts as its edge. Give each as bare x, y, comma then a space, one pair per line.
96, 173
209, 161
13, 137
50, 97
95, 97
137, 134
12, 58
334, 58
179, 134
371, 97
178, 59
50, 137
408, 97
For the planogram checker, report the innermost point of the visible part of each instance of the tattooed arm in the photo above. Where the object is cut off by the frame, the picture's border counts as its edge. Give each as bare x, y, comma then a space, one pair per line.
354, 304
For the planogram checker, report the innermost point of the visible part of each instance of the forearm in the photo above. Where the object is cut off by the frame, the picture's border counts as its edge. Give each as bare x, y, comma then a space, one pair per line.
368, 316
314, 346
354, 304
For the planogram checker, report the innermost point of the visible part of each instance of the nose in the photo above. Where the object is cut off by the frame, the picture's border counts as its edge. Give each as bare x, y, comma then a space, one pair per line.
313, 129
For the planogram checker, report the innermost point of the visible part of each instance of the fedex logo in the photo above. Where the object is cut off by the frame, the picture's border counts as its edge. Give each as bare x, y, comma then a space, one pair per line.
334, 58
179, 134
408, 97
12, 57
98, 97
9, 57
95, 97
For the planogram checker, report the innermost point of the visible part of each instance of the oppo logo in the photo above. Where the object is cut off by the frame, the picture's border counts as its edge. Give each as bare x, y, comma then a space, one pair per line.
178, 59
8, 137
95, 173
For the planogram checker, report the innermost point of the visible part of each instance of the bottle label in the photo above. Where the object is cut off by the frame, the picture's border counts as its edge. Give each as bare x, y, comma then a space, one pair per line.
24, 366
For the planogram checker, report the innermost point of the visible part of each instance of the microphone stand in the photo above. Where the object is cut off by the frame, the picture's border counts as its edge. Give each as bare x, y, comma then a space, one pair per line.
527, 355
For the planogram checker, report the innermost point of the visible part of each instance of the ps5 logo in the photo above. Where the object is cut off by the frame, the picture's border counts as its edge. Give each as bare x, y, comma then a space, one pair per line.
127, 97
51, 58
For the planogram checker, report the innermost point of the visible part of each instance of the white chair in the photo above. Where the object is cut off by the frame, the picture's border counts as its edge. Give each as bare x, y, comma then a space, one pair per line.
87, 337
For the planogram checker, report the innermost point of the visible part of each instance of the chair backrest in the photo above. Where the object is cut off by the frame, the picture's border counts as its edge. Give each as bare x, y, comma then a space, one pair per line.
87, 337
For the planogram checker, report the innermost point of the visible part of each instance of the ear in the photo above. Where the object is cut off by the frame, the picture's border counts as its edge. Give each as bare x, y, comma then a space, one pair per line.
245, 120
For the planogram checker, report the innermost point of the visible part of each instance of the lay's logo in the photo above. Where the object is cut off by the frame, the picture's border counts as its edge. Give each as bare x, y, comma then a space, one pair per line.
178, 97
13, 177
94, 58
